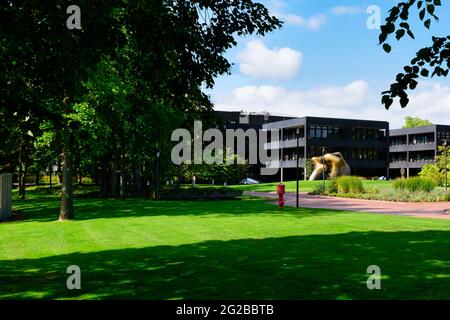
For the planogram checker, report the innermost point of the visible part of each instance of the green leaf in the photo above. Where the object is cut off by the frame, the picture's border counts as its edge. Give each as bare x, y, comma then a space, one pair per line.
390, 27
427, 23
422, 14
387, 47
387, 101
399, 34
404, 25
404, 102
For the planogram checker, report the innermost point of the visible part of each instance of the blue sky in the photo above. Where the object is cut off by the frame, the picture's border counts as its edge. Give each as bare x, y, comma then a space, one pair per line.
326, 61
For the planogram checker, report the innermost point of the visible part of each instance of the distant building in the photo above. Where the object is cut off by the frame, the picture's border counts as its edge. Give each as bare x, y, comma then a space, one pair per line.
249, 120
363, 143
411, 148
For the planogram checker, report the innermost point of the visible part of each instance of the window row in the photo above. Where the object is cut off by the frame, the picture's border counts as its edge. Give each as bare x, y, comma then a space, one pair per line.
366, 133
443, 135
325, 132
368, 154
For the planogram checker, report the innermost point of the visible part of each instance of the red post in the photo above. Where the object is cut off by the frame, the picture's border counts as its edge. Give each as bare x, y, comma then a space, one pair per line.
281, 189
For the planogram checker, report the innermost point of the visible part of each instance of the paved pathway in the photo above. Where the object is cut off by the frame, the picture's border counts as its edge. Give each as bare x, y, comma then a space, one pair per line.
416, 209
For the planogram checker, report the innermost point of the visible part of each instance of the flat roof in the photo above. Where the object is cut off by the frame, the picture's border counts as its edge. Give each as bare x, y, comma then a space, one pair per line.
327, 121
418, 130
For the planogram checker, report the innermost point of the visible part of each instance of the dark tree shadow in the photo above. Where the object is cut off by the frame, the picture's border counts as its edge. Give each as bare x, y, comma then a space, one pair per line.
414, 265
46, 210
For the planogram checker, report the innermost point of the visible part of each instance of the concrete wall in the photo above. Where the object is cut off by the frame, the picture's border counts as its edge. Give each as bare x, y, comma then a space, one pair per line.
5, 196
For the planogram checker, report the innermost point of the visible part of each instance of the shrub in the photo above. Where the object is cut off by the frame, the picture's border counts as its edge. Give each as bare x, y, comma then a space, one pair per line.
319, 188
420, 184
399, 184
349, 184
414, 184
332, 186
432, 172
372, 190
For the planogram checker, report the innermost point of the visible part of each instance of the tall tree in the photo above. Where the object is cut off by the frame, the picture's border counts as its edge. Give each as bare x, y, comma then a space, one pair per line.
175, 48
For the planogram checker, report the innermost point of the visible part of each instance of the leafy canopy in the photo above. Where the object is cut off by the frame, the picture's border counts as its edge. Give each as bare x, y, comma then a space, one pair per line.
433, 60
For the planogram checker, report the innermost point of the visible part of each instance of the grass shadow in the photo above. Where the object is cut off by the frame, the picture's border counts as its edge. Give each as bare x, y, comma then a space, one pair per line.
414, 265
46, 210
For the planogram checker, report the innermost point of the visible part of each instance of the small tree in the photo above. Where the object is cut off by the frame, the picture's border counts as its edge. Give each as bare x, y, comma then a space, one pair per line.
432, 171
441, 159
415, 122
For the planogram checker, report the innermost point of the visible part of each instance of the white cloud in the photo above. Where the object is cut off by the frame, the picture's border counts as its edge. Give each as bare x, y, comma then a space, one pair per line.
261, 62
311, 23
341, 10
354, 101
319, 101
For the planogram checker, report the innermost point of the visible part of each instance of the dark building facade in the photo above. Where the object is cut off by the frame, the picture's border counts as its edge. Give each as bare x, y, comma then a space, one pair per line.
363, 143
249, 120
411, 148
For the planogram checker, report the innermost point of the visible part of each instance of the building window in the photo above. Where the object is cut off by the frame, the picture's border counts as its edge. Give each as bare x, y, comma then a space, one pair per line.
368, 134
325, 132
443, 135
368, 154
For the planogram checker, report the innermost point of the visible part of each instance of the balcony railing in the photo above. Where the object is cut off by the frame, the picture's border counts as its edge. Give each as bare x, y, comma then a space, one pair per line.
410, 144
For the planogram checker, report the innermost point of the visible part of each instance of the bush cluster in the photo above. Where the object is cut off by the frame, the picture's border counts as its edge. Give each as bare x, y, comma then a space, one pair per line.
401, 196
414, 184
349, 184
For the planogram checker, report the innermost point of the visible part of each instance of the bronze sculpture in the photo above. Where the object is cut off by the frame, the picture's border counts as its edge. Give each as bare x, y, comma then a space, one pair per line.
332, 162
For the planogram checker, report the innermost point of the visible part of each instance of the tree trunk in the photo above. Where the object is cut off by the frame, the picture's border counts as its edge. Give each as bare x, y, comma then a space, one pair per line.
104, 178
22, 176
67, 211
123, 180
51, 182
22, 171
122, 185
137, 180
114, 179
60, 177
96, 179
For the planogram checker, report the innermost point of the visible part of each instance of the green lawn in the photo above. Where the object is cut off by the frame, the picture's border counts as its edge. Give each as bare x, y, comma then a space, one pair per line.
245, 249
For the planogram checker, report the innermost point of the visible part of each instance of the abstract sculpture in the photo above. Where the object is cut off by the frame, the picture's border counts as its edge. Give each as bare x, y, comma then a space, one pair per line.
332, 162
